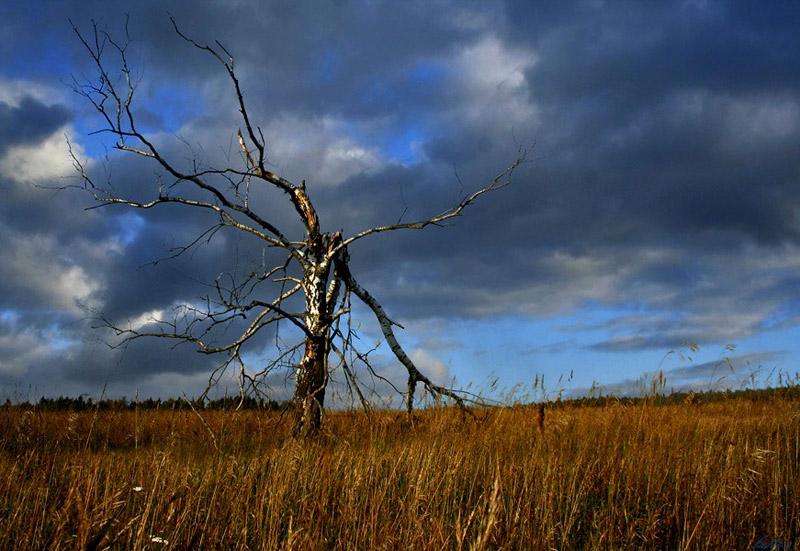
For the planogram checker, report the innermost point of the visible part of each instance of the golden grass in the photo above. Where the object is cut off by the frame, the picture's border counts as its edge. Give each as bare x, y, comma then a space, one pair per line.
714, 476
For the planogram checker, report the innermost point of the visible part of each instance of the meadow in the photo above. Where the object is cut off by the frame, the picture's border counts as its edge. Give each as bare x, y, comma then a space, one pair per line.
723, 474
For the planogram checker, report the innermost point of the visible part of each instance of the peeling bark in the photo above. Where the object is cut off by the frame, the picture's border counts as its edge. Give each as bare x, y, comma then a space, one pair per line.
312, 373
312, 378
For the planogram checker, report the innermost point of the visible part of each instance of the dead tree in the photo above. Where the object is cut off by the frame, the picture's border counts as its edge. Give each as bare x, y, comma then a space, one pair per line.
315, 274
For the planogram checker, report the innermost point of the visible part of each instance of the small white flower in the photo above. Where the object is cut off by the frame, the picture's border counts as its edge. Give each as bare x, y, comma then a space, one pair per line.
137, 488
157, 539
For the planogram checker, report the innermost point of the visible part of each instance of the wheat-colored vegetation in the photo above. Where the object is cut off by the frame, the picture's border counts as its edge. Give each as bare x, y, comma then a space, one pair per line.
635, 475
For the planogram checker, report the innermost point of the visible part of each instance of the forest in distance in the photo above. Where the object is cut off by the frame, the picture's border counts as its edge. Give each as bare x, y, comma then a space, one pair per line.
87, 403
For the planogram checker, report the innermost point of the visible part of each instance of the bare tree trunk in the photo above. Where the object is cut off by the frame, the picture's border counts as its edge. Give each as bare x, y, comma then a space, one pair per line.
312, 372
309, 392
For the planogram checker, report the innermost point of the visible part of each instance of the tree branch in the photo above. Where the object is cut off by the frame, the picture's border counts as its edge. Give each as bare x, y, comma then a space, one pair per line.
500, 181
414, 374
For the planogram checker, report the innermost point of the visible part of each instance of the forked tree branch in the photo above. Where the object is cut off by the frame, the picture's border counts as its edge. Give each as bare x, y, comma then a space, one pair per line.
122, 124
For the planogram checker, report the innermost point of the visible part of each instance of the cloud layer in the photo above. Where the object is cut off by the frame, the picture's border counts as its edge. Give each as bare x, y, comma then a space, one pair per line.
665, 187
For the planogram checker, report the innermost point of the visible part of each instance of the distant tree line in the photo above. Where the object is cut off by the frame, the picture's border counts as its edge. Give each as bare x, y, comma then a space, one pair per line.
82, 403
684, 397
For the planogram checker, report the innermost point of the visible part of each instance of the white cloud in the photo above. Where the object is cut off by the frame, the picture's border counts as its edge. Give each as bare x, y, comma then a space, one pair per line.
315, 149
489, 65
493, 76
435, 369
13, 91
42, 162
35, 265
146, 318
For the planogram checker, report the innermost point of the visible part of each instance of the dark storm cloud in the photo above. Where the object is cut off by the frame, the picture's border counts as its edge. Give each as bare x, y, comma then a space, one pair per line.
352, 58
666, 177
661, 132
29, 122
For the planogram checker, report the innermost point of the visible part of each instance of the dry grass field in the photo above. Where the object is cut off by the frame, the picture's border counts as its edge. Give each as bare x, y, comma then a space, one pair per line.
723, 475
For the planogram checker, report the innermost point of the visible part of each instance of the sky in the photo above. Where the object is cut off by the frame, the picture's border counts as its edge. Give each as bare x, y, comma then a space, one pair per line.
661, 209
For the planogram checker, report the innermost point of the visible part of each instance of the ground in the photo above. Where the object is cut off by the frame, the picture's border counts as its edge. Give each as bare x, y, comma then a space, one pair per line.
652, 474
